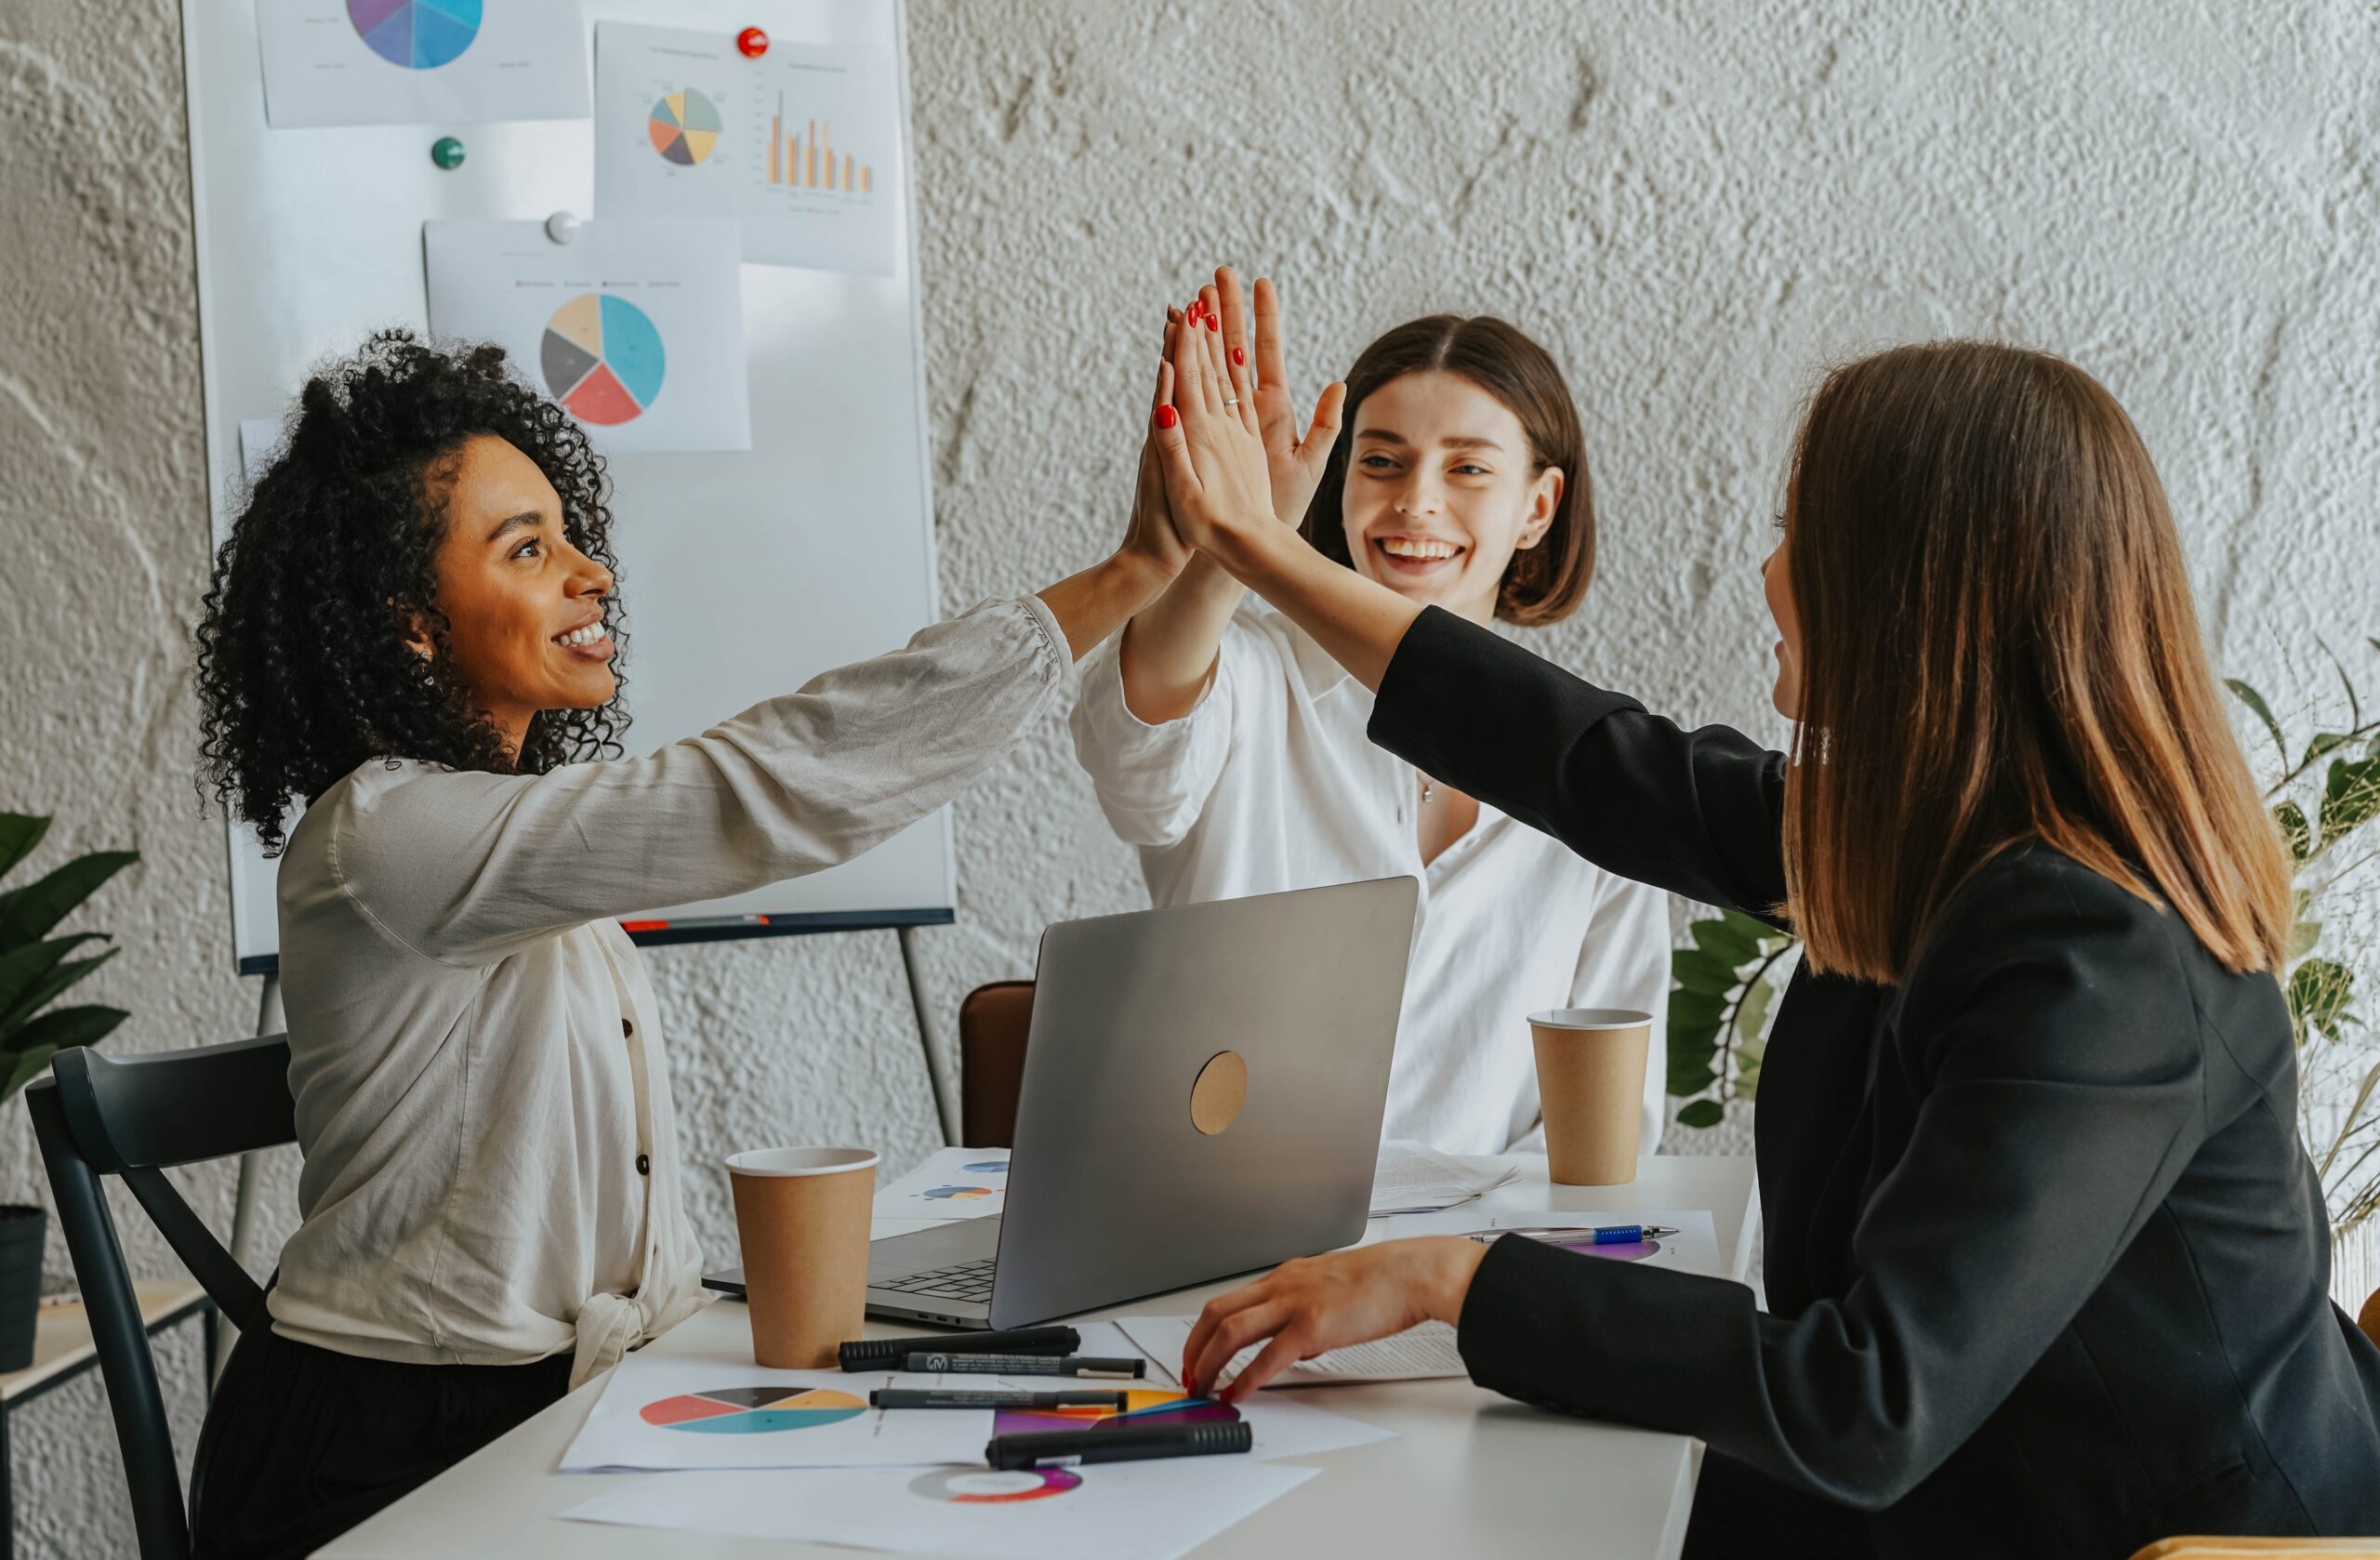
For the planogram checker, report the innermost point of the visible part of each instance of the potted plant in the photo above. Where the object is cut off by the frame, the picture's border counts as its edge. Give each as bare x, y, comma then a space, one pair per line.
35, 971
1728, 982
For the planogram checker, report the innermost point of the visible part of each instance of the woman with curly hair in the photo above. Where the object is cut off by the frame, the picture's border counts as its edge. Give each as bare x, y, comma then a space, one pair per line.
412, 631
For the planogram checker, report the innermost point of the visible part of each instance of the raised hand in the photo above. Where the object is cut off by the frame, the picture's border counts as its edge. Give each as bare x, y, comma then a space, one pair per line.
1151, 533
1217, 485
1293, 463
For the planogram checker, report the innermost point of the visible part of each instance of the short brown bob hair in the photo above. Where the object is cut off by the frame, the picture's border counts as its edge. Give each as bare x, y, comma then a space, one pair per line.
1998, 644
1545, 583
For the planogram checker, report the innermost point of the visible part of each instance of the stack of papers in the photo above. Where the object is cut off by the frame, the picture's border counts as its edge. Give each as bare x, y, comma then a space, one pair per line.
1415, 1178
951, 1184
799, 1455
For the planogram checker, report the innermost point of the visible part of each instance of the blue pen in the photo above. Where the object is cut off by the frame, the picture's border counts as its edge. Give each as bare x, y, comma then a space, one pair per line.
1608, 1235
1625, 1234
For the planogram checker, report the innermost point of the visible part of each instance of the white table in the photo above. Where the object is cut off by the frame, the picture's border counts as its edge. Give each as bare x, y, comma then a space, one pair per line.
1470, 1474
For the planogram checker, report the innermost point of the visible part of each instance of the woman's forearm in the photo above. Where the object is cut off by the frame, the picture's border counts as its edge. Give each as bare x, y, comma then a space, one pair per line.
1169, 651
1094, 603
1357, 621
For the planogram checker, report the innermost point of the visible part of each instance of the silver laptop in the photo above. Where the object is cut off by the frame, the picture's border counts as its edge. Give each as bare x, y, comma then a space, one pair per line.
1202, 1096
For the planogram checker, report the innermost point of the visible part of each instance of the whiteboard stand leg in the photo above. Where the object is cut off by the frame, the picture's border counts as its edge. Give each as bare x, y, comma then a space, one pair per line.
925, 1038
244, 1206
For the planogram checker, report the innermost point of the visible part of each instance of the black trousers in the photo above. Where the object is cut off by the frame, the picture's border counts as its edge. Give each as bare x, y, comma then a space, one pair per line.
1741, 1513
301, 1444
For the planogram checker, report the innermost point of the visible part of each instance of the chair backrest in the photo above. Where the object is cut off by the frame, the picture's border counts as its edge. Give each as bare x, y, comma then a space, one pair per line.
2369, 1320
993, 1022
135, 1117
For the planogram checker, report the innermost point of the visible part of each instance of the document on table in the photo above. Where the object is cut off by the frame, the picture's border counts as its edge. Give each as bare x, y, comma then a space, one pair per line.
677, 1411
1694, 1248
1103, 1511
1414, 1178
1416, 1355
951, 1184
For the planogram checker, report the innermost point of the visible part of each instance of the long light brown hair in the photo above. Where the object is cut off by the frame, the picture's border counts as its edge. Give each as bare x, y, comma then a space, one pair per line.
1998, 644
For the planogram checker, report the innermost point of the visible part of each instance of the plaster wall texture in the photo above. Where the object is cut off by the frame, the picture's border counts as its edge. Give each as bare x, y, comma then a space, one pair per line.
1695, 207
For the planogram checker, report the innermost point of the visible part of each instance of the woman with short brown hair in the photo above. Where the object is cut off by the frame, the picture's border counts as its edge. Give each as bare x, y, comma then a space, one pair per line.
1229, 749
2045, 1262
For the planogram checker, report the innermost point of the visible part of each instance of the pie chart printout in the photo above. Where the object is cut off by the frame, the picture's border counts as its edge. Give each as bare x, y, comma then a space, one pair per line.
940, 1194
752, 1410
684, 127
603, 359
988, 1487
417, 34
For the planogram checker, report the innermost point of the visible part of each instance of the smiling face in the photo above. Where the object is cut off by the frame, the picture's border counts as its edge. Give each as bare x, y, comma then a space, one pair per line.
524, 608
1441, 490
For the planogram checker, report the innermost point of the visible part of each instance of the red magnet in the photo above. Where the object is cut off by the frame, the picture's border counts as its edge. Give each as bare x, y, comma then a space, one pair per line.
752, 42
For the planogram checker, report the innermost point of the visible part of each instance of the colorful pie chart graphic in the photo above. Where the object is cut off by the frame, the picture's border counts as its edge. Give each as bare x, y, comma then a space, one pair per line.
603, 359
986, 1167
1140, 1407
987, 1486
944, 1193
752, 1410
417, 34
684, 127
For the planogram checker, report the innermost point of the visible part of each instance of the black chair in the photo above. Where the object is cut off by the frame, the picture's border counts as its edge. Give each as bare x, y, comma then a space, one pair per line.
136, 1116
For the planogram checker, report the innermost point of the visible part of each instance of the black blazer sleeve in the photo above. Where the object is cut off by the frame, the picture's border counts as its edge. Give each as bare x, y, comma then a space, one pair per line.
2049, 1037
1697, 813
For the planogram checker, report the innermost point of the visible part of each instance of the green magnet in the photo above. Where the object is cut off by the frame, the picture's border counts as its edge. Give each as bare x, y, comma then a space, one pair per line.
447, 152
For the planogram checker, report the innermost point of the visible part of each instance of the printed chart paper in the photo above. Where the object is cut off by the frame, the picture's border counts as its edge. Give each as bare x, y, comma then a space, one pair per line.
688, 1412
636, 328
951, 1184
421, 62
800, 146
1104, 1511
1414, 1178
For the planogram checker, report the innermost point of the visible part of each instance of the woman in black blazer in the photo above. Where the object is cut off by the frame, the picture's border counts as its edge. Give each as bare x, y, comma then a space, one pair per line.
2046, 1264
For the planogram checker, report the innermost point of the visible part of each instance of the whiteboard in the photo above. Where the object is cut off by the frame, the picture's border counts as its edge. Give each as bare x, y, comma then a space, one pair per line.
743, 574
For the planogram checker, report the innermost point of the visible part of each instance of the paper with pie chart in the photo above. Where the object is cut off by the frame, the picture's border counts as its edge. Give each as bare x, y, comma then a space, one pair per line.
421, 62
1106, 1511
635, 329
677, 1412
950, 1183
800, 146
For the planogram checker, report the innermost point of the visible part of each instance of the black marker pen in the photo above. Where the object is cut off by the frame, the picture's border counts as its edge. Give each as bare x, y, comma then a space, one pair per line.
1017, 1398
943, 1361
886, 1354
1063, 1448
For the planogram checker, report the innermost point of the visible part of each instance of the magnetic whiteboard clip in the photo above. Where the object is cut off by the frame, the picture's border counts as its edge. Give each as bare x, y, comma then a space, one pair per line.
752, 43
562, 227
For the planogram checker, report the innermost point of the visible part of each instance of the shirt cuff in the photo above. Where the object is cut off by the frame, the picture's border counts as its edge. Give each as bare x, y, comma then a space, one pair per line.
1058, 656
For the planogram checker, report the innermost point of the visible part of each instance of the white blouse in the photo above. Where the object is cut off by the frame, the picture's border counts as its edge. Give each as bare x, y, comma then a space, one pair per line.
492, 1167
1271, 783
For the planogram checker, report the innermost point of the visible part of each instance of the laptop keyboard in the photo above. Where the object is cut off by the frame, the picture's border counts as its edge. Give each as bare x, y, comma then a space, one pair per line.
961, 1281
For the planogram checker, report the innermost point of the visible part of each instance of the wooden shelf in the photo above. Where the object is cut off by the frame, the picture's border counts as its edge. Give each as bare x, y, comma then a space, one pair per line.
62, 1333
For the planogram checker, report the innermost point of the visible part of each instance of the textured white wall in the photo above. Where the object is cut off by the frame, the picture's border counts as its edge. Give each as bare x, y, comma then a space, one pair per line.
1694, 206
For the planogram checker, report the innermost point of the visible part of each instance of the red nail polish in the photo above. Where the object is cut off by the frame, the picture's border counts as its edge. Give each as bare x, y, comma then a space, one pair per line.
1239, 355
1167, 416
1213, 323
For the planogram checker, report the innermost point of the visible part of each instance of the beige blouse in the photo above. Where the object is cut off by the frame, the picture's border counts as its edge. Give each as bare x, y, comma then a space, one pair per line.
492, 1165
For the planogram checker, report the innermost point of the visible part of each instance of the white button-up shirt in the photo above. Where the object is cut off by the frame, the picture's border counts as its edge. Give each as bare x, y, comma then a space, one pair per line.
492, 1167
1270, 783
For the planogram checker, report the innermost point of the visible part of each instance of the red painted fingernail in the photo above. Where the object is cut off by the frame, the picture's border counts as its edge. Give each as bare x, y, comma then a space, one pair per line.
1213, 323
1165, 416
1239, 355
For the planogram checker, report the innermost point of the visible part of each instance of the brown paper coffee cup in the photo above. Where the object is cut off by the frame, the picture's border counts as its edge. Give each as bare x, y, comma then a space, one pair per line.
801, 1219
1591, 1086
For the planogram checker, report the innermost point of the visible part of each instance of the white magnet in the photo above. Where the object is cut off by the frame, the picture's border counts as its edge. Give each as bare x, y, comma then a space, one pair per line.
562, 228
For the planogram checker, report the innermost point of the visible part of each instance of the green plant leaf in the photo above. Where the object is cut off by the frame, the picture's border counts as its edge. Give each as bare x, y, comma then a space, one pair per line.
19, 832
27, 914
1752, 1017
2295, 832
1702, 1112
2324, 742
2319, 991
1731, 945
2255, 702
30, 976
2350, 796
1704, 972
60, 1027
25, 1066
2304, 938
1693, 1044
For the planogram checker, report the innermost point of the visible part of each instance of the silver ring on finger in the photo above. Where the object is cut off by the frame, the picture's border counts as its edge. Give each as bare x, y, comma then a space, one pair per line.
1231, 401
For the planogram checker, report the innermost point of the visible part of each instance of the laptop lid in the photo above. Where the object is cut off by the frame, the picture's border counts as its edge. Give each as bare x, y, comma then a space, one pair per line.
1203, 1092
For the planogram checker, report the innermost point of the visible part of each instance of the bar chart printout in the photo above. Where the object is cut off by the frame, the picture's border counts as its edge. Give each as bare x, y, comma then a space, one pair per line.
806, 158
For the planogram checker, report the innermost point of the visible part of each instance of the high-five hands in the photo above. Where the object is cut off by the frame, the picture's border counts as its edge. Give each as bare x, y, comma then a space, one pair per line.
1218, 486
1293, 463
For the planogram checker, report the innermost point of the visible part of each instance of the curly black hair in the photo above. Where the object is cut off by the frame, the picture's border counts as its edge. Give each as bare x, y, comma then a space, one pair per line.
303, 668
